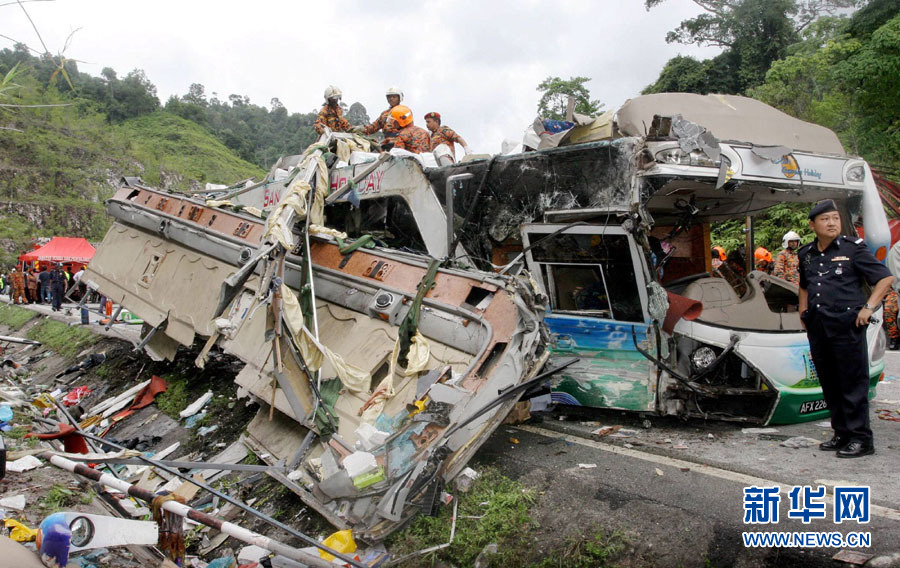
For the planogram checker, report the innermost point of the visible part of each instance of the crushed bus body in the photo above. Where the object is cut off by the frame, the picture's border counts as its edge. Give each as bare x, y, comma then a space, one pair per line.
379, 372
592, 218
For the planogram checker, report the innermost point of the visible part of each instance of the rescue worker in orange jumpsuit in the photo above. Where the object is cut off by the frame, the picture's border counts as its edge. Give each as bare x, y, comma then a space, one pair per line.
409, 137
443, 134
763, 260
384, 123
18, 286
331, 115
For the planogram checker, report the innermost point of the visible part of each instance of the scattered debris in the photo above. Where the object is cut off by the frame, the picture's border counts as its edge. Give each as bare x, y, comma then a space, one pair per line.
341, 541
24, 464
195, 406
76, 395
854, 557
623, 433
205, 430
886, 414
798, 442
605, 431
15, 502
659, 472
759, 430
465, 479
19, 531
587, 465
252, 553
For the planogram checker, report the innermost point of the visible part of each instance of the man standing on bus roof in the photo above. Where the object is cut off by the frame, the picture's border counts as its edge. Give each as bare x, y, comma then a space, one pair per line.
835, 314
331, 115
409, 137
443, 134
394, 96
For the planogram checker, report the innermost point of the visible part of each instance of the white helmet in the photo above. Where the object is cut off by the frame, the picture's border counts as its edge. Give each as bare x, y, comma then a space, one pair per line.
394, 91
332, 92
788, 237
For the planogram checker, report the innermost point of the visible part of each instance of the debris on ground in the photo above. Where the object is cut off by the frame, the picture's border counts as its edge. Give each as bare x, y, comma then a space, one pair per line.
465, 479
15, 502
798, 442
197, 405
887, 414
19, 532
854, 557
605, 431
759, 430
24, 463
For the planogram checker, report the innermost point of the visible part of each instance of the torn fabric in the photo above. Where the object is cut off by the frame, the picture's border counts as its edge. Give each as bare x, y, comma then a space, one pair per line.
417, 360
314, 354
297, 197
219, 203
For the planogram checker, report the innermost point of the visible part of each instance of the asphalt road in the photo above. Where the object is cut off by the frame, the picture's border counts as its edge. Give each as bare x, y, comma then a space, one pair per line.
676, 488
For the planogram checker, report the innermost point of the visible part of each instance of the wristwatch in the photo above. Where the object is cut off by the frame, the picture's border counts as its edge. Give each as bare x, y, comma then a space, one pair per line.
868, 307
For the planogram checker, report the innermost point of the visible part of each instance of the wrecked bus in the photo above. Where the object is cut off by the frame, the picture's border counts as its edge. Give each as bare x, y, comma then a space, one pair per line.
611, 221
615, 232
379, 372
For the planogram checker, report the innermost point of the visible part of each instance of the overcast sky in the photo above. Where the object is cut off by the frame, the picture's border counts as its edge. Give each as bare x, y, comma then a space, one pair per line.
475, 62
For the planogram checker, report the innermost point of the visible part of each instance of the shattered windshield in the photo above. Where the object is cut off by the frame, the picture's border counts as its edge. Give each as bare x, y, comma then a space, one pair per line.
593, 273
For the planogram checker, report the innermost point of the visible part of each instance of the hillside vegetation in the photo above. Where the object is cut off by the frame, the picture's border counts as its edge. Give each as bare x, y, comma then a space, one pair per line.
58, 164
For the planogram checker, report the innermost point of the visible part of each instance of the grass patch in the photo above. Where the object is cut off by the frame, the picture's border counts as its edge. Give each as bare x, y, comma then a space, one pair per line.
58, 498
175, 399
61, 338
599, 551
503, 507
14, 317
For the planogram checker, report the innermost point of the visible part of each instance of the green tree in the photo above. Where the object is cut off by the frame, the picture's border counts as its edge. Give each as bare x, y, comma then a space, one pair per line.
845, 77
555, 97
131, 97
752, 33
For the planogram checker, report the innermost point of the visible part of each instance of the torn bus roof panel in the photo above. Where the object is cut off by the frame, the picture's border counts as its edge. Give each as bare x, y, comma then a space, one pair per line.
729, 118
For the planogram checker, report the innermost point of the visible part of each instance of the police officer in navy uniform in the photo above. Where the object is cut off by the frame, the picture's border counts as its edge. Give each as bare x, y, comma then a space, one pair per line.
835, 314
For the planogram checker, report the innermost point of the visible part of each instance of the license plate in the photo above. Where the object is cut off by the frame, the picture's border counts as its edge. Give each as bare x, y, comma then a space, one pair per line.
813, 406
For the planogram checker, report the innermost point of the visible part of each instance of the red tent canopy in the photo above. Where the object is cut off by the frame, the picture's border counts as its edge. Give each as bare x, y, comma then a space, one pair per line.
62, 249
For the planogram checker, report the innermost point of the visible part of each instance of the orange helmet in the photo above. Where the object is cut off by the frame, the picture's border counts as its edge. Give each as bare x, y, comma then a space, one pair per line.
721, 251
761, 254
402, 115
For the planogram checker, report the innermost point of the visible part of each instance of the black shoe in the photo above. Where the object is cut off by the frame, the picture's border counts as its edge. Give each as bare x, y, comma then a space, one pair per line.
895, 345
857, 450
834, 444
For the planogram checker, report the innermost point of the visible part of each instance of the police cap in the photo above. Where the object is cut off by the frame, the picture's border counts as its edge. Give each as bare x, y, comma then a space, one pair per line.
824, 206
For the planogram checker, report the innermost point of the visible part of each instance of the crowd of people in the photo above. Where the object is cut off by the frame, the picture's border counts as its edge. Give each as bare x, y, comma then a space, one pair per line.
45, 285
395, 123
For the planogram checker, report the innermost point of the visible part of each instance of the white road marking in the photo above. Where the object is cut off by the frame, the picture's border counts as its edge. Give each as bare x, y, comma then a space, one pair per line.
747, 480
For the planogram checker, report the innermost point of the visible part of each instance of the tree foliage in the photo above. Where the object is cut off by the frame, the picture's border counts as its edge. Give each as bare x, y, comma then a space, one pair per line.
255, 133
845, 77
555, 97
752, 33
